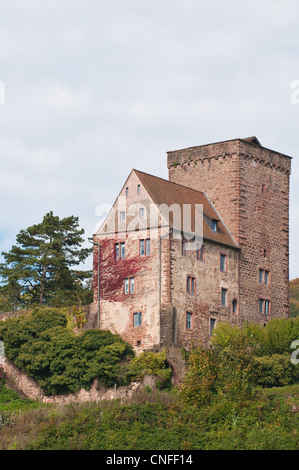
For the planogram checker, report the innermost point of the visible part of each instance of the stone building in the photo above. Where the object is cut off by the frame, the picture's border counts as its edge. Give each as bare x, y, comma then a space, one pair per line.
210, 244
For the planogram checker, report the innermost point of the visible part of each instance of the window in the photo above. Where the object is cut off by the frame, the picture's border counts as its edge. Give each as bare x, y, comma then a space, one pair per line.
122, 215
141, 213
127, 192
129, 285
138, 188
235, 307
119, 250
191, 285
200, 252
224, 297
214, 225
212, 325
223, 263
189, 321
264, 276
261, 275
264, 306
138, 343
137, 319
145, 247
184, 247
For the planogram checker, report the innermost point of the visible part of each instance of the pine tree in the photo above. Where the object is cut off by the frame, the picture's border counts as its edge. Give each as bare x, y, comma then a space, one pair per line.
38, 268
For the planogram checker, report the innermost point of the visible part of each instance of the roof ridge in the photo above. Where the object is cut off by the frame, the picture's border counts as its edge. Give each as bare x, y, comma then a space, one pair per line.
170, 182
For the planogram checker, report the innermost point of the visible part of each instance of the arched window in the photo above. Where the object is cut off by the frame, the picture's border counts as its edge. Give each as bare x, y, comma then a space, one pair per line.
235, 307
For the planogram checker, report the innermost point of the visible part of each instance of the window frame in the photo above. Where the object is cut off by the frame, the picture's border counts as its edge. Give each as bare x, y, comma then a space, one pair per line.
223, 257
191, 285
224, 291
137, 319
189, 321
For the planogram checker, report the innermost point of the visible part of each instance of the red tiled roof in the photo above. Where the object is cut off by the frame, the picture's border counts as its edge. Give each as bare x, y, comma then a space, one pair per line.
165, 192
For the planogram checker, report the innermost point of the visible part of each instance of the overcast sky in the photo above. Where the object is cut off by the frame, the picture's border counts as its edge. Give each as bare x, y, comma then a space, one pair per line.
94, 88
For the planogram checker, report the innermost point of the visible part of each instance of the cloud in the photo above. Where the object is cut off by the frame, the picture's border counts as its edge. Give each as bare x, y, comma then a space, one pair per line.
94, 89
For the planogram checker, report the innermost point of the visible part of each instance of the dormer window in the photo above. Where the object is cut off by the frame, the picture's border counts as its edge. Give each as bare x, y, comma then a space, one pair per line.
214, 225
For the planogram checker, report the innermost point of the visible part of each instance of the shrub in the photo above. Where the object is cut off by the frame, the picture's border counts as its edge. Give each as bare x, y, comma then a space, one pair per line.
59, 360
275, 371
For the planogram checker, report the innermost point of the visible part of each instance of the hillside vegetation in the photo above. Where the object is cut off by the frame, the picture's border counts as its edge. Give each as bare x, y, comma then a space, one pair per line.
294, 298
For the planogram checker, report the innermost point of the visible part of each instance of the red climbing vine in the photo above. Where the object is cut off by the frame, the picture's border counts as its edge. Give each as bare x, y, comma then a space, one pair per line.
114, 271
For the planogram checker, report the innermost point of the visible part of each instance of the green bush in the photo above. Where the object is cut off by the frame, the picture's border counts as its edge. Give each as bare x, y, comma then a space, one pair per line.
60, 361
276, 370
149, 363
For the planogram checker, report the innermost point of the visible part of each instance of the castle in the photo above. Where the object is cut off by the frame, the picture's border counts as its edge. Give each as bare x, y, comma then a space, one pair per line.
155, 285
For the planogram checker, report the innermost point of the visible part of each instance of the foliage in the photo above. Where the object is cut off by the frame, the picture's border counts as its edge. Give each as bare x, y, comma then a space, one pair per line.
274, 338
38, 269
225, 372
199, 383
149, 363
59, 360
275, 370
294, 298
161, 421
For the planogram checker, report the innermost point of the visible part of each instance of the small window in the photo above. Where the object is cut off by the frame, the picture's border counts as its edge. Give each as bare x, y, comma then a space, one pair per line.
214, 225
191, 285
212, 325
138, 343
129, 286
127, 192
119, 249
234, 307
141, 213
145, 247
122, 215
265, 253
138, 188
261, 275
264, 306
116, 250
224, 297
261, 306
223, 263
189, 321
122, 250
184, 247
264, 276
200, 252
137, 319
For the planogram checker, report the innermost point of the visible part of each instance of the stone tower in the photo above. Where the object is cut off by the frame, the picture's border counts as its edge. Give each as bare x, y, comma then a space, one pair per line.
248, 185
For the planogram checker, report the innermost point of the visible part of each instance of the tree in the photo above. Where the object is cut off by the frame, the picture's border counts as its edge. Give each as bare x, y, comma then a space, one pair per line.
37, 269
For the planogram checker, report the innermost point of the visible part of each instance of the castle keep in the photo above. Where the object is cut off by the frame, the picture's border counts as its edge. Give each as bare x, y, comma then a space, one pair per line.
154, 287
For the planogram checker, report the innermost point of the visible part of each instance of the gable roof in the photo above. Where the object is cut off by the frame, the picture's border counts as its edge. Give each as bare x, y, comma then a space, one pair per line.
166, 192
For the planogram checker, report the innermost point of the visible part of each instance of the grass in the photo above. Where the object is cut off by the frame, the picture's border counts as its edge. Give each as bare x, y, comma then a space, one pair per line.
158, 421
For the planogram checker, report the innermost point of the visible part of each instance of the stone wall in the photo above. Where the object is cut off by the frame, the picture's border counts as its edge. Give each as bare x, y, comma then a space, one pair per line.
249, 186
97, 392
